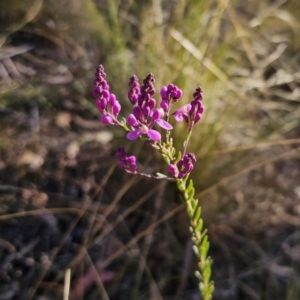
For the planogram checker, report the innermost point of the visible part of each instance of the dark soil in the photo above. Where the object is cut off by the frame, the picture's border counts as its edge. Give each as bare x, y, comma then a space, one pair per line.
64, 203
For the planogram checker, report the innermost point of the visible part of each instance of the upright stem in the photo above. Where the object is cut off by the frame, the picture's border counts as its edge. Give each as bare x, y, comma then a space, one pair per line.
186, 142
199, 238
168, 133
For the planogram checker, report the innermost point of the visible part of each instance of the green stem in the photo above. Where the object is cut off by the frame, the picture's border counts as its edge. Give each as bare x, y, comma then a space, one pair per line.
186, 142
199, 238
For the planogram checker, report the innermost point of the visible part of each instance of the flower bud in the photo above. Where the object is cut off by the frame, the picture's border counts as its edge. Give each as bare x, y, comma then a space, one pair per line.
106, 119
164, 105
116, 108
132, 121
163, 93
173, 170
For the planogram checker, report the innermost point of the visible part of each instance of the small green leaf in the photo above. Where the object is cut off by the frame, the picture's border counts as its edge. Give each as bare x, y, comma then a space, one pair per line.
199, 225
178, 157
190, 186
160, 175
173, 151
203, 250
196, 251
191, 193
201, 286
198, 275
198, 213
166, 158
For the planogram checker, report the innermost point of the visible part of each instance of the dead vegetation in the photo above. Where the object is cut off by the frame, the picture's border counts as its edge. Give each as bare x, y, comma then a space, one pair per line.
65, 205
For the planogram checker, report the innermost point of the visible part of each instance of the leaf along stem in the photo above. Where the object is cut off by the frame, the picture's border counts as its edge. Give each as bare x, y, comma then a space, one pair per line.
199, 238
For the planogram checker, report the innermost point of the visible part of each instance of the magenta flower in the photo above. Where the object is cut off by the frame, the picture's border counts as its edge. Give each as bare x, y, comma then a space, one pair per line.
169, 95
144, 115
126, 162
107, 103
151, 133
183, 167
141, 128
197, 108
182, 113
191, 113
134, 89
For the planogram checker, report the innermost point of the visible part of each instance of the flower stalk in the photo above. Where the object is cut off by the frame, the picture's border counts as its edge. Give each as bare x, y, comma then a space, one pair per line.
141, 124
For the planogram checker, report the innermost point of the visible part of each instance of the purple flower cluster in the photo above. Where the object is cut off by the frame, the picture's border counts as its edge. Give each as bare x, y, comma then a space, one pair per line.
107, 103
191, 113
134, 91
144, 114
169, 95
184, 166
126, 162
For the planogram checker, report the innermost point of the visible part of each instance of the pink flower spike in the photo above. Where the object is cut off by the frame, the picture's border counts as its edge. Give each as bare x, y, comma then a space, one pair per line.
154, 135
164, 124
133, 135
106, 119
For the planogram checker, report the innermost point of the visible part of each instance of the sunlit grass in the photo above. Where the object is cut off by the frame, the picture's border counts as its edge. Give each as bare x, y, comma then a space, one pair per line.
227, 49
243, 54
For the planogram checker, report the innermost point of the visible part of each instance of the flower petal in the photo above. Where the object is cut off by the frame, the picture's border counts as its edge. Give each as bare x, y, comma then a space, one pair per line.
133, 135
154, 135
158, 113
178, 118
164, 124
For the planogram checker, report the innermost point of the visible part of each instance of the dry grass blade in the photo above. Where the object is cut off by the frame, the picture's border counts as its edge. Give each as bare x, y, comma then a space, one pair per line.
97, 278
62, 241
246, 57
286, 155
191, 48
67, 284
141, 235
109, 228
258, 145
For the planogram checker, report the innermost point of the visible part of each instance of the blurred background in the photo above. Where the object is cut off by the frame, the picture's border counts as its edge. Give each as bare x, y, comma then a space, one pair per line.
64, 203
